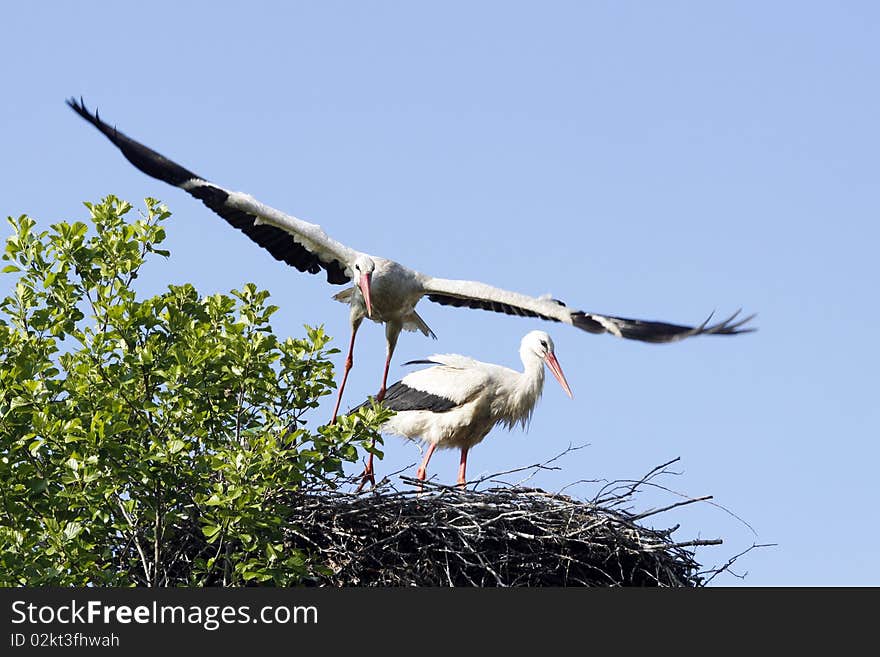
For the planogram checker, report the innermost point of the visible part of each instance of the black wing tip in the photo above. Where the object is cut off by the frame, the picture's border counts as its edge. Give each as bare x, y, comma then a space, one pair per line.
659, 332
76, 105
727, 326
79, 106
150, 162
277, 242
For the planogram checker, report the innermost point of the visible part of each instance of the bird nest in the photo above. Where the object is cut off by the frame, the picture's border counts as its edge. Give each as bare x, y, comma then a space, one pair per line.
506, 535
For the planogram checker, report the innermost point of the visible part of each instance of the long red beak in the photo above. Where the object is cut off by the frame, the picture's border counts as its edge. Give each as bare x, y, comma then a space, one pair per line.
554, 366
364, 284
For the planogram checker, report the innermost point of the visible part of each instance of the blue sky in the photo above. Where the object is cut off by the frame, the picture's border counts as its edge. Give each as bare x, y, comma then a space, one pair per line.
652, 160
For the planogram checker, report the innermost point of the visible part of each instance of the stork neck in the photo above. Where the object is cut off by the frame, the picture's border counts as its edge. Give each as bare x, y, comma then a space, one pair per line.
531, 382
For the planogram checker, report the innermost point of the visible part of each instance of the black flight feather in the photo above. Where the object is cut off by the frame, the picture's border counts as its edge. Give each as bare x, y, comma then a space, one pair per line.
400, 397
631, 329
275, 240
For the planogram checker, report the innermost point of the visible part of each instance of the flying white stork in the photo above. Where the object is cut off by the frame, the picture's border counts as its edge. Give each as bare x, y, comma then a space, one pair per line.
384, 291
458, 401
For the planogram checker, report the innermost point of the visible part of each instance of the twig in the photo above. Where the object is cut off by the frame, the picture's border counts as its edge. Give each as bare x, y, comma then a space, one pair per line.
726, 567
671, 506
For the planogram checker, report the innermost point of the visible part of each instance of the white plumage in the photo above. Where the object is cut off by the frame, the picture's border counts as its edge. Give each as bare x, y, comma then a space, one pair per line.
383, 290
456, 402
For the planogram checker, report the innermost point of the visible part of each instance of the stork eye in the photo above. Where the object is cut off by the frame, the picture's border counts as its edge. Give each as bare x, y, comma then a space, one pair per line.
544, 344
357, 267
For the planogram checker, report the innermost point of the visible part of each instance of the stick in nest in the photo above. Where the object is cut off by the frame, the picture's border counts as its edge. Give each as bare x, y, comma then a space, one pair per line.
506, 535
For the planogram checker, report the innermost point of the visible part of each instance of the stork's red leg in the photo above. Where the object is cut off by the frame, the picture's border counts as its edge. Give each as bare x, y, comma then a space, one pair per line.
349, 361
368, 473
462, 466
422, 472
379, 397
392, 332
381, 394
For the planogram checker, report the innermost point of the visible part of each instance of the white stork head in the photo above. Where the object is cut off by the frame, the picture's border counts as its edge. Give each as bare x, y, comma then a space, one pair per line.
362, 274
538, 345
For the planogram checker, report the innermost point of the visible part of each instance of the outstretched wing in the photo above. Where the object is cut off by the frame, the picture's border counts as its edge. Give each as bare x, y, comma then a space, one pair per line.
470, 294
298, 243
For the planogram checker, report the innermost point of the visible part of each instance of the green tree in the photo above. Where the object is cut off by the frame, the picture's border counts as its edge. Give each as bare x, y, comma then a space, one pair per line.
156, 441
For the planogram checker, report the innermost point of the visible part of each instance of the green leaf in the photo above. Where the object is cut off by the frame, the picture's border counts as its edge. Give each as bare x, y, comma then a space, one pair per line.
72, 530
210, 530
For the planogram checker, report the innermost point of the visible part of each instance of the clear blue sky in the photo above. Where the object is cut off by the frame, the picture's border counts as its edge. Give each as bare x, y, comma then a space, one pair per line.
653, 160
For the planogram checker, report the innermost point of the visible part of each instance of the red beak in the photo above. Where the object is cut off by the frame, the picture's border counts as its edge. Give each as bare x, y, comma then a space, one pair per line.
554, 367
364, 284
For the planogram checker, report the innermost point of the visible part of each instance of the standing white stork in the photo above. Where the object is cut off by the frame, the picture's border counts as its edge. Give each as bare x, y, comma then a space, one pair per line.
384, 291
458, 401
